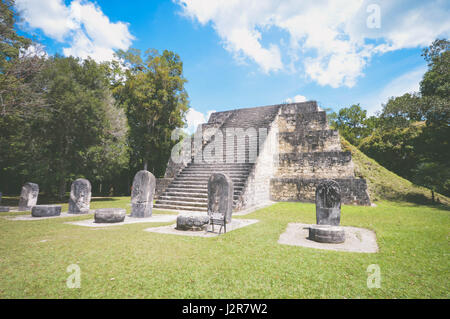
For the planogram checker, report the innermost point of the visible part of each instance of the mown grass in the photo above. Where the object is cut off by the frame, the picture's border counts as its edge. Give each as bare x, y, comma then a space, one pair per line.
127, 262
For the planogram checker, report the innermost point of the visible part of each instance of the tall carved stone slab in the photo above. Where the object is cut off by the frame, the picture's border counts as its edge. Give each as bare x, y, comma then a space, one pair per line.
28, 196
220, 195
80, 196
144, 184
328, 203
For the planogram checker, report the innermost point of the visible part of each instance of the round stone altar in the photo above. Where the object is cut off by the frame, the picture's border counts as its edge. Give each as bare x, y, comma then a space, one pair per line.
109, 215
327, 234
46, 210
192, 221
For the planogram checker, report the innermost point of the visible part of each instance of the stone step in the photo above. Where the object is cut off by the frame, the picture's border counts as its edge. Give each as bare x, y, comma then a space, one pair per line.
200, 183
220, 166
209, 172
212, 171
184, 194
180, 203
203, 189
183, 199
183, 203
179, 207
189, 195
205, 177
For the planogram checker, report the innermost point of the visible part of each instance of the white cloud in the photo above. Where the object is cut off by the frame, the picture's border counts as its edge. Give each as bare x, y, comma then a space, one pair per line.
297, 99
406, 83
34, 50
82, 25
194, 118
329, 41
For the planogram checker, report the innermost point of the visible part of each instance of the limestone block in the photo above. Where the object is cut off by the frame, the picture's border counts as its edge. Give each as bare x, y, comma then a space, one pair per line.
80, 196
192, 221
109, 215
46, 210
28, 196
327, 234
144, 184
220, 195
328, 203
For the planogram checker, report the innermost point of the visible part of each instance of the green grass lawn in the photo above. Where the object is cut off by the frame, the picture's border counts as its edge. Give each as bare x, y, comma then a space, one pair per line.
127, 262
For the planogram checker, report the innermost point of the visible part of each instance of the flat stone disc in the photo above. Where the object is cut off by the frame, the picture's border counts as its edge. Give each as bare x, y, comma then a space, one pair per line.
192, 221
109, 215
327, 234
46, 210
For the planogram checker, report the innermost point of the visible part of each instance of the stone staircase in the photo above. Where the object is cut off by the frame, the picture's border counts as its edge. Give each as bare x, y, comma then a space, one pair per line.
189, 189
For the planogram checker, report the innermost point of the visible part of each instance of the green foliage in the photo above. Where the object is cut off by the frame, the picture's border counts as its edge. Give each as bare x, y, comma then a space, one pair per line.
436, 81
352, 123
384, 184
155, 101
79, 132
11, 43
91, 130
411, 136
395, 149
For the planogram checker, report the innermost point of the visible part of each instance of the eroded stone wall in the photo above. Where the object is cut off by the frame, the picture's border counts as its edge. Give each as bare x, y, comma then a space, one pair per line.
353, 190
257, 189
309, 153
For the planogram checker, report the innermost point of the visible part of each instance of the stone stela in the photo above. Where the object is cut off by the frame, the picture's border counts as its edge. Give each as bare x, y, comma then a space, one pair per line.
328, 214
220, 200
28, 196
144, 184
80, 197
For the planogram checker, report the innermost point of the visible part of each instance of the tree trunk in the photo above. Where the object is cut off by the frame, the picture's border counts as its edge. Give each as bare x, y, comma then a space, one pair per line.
432, 196
62, 188
145, 165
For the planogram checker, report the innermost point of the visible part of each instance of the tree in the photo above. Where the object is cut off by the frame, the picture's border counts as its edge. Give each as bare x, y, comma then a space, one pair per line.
352, 123
18, 66
82, 133
20, 97
155, 101
436, 81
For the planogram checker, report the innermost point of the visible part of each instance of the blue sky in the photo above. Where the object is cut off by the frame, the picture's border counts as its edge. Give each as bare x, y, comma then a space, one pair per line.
256, 52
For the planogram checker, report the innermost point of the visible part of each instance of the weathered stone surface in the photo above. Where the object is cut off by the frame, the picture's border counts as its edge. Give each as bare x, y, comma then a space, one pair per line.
328, 203
4, 209
28, 196
220, 195
316, 165
45, 210
80, 197
144, 184
353, 190
161, 185
305, 148
327, 234
109, 215
192, 221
